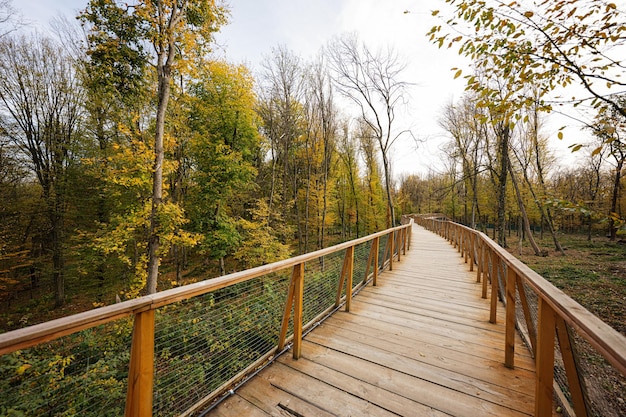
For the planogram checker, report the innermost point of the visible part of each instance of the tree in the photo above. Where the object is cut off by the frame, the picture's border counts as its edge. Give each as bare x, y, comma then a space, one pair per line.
222, 151
372, 81
281, 111
610, 128
547, 44
321, 132
348, 187
9, 18
180, 34
41, 100
469, 139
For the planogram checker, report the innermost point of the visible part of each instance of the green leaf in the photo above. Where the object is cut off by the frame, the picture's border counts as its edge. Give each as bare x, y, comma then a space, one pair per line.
458, 74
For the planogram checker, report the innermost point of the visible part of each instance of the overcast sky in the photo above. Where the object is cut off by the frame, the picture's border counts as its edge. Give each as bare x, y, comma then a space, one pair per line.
304, 26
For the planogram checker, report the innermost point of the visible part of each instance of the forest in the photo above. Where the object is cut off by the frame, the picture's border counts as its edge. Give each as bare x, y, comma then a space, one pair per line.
133, 161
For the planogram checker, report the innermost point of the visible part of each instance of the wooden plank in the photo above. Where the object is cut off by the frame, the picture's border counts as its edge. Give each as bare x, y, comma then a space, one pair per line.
470, 330
438, 370
403, 381
428, 306
319, 394
406, 336
272, 400
237, 406
353, 379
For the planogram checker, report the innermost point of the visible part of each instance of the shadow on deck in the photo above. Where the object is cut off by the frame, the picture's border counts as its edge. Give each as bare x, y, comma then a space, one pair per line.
419, 343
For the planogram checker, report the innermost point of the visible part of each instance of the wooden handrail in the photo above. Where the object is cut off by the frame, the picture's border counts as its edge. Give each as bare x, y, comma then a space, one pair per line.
555, 310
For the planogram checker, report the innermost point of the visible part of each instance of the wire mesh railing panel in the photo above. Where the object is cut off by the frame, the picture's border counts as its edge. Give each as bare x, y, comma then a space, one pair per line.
526, 298
321, 280
361, 257
82, 374
382, 251
203, 342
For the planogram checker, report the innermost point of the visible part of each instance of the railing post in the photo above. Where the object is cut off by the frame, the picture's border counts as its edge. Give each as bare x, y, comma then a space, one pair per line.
472, 254
141, 369
480, 257
545, 359
298, 294
294, 299
509, 338
569, 363
405, 233
495, 266
486, 269
410, 235
375, 248
391, 249
346, 272
530, 324
348, 269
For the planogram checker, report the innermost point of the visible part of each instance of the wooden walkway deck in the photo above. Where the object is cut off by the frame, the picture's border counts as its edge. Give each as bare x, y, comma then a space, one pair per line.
418, 344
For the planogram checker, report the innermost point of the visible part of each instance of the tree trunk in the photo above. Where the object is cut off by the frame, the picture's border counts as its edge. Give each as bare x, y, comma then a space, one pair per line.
522, 208
615, 199
503, 153
163, 93
392, 221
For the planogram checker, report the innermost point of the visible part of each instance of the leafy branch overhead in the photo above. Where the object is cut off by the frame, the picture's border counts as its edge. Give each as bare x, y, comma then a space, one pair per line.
550, 44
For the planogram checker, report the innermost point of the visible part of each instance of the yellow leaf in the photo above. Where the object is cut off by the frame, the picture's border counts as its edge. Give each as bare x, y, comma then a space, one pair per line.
596, 151
528, 14
22, 368
435, 12
457, 74
560, 135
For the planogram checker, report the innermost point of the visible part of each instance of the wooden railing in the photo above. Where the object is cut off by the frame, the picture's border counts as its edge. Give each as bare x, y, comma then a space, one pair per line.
556, 314
139, 397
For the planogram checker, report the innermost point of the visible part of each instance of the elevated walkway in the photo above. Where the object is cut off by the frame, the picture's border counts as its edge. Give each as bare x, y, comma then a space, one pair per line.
418, 344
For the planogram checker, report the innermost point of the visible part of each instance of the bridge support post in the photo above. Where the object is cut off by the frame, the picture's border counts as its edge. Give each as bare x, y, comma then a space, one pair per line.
141, 369
545, 359
509, 338
294, 299
472, 253
298, 294
495, 267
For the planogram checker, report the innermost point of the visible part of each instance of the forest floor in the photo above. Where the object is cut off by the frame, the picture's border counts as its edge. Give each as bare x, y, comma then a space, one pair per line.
591, 272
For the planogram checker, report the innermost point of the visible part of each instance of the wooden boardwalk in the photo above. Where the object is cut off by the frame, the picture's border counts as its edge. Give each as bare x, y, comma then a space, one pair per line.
418, 344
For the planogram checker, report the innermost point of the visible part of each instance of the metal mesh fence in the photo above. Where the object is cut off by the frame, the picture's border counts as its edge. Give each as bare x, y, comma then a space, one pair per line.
321, 279
382, 251
205, 341
83, 374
